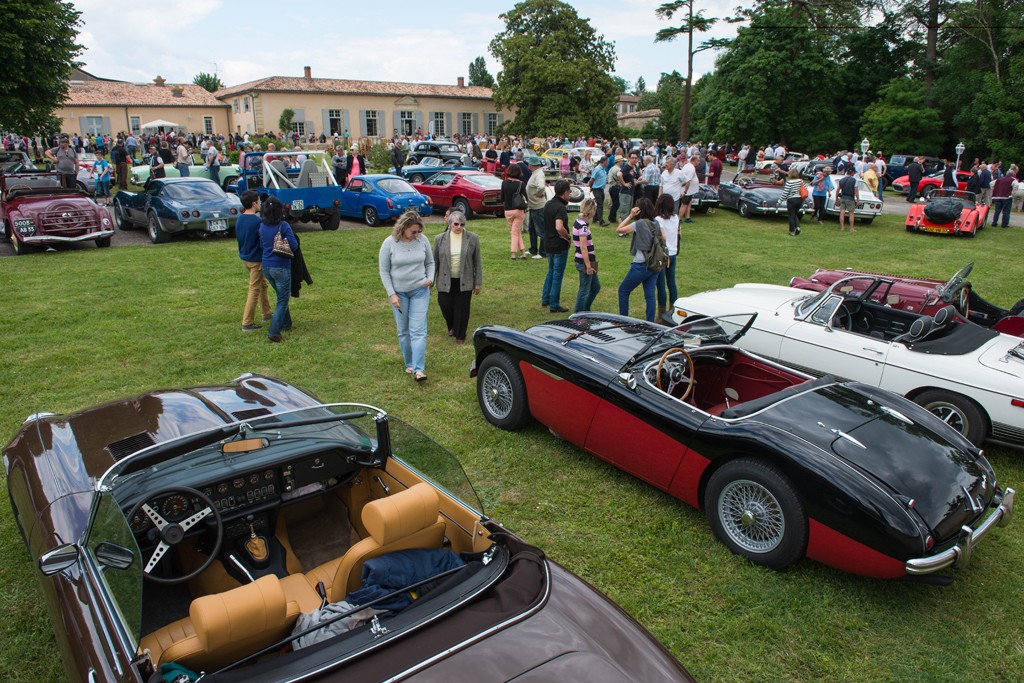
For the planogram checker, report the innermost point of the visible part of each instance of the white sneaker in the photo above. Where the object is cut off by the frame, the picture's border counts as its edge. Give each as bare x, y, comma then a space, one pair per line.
536, 256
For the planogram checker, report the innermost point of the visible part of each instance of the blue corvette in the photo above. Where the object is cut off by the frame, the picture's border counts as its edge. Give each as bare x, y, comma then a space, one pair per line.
172, 206
376, 198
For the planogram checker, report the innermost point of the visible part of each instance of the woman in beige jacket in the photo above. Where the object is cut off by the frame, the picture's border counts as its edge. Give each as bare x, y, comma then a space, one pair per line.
459, 273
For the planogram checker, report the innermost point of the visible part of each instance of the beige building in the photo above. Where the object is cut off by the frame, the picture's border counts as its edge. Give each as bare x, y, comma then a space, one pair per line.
638, 119
367, 109
626, 104
99, 105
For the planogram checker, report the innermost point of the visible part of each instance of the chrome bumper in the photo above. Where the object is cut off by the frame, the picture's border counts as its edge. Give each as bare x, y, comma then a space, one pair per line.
960, 554
49, 239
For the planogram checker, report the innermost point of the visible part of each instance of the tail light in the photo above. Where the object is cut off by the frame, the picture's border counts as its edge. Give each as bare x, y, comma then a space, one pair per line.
390, 204
337, 203
929, 542
184, 214
195, 214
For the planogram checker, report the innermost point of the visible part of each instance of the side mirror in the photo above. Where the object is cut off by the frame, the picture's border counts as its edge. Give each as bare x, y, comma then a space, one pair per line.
113, 555
59, 559
628, 380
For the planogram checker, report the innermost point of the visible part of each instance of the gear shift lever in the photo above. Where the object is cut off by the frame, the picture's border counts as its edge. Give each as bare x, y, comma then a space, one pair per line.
256, 546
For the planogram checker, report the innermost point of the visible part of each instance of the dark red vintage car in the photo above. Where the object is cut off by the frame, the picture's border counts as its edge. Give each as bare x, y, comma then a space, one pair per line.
922, 295
948, 212
253, 533
466, 191
929, 182
37, 211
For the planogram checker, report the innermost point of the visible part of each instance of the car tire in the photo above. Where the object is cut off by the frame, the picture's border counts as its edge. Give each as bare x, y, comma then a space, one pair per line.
370, 216
462, 205
331, 221
103, 243
744, 209
120, 221
501, 392
20, 248
230, 180
754, 510
156, 231
416, 178
959, 412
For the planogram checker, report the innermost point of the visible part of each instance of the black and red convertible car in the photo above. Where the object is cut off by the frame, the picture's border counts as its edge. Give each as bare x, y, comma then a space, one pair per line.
784, 466
249, 532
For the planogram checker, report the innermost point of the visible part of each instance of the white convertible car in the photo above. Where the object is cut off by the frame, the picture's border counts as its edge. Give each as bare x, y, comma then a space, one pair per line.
970, 376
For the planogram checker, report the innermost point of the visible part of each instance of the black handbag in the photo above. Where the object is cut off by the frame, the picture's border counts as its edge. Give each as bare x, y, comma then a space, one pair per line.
518, 200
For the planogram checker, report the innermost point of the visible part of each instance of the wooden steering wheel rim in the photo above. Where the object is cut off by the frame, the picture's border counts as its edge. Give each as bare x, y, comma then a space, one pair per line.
689, 362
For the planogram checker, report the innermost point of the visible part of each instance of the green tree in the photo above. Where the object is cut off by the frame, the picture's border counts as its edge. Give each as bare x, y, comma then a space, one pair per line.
209, 82
621, 84
641, 86
479, 75
39, 49
555, 71
285, 121
901, 121
692, 23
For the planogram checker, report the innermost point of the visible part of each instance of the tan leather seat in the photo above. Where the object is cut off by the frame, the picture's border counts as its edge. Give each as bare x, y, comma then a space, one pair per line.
225, 627
402, 521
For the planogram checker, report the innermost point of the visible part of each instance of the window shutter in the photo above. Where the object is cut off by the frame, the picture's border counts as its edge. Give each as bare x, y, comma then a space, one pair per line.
326, 120
382, 127
81, 126
397, 121
106, 125
476, 124
362, 122
419, 120
447, 123
501, 118
430, 123
344, 123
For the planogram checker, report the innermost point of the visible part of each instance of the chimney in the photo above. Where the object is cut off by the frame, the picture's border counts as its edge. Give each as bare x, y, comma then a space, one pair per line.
160, 80
177, 90
308, 71
462, 82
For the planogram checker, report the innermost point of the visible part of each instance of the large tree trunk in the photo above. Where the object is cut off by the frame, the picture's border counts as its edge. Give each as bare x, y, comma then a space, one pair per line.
684, 113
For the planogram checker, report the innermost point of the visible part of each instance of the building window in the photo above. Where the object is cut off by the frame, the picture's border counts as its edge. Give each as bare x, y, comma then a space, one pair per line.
438, 123
632, 108
492, 123
299, 127
467, 123
208, 125
406, 122
334, 121
135, 123
93, 125
245, 103
234, 105
371, 123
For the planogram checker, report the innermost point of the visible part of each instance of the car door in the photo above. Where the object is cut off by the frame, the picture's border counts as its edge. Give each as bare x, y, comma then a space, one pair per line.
727, 194
351, 198
814, 342
441, 188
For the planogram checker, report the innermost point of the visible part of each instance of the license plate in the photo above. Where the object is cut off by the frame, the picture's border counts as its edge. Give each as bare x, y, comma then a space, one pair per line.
217, 226
298, 205
695, 202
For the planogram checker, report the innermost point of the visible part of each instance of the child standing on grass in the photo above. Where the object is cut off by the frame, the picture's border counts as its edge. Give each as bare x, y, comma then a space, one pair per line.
101, 169
586, 261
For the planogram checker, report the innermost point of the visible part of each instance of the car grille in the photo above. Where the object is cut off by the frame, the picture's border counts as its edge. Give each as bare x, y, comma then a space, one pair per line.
70, 220
130, 444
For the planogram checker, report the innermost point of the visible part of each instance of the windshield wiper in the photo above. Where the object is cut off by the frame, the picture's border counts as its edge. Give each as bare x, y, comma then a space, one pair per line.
337, 617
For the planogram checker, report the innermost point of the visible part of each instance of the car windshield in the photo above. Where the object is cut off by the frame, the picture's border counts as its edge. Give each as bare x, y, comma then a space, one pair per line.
395, 186
484, 180
723, 329
431, 161
449, 148
207, 190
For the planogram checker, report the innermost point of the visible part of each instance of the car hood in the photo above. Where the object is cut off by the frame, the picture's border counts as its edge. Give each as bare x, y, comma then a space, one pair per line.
898, 445
1004, 354
742, 298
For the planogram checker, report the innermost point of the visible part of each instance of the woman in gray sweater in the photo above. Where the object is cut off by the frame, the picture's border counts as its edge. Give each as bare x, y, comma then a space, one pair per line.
406, 264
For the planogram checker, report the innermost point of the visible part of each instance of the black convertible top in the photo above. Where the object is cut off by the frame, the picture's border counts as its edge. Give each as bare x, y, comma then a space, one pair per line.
959, 339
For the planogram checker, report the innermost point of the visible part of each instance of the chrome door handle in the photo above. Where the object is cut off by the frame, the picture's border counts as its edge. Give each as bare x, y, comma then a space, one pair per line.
873, 350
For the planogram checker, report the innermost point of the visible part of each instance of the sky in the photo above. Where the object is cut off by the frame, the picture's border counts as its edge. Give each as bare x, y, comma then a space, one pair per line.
392, 40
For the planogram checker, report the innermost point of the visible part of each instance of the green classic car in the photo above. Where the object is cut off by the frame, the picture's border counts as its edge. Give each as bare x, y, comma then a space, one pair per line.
228, 172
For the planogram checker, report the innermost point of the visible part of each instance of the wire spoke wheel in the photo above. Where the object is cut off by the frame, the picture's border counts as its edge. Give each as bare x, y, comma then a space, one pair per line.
751, 516
496, 390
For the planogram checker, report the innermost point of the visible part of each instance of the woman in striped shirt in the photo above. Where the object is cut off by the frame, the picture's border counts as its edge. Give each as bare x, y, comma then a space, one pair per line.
791, 195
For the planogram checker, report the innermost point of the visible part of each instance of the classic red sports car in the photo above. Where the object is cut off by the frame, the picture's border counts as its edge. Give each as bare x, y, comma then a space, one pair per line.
922, 295
948, 212
933, 180
466, 191
36, 210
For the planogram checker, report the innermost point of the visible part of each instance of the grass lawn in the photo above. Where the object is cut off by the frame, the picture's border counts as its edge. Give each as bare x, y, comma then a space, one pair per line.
86, 326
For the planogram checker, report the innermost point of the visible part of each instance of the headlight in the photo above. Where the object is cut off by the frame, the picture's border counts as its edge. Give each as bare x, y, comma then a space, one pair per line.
106, 221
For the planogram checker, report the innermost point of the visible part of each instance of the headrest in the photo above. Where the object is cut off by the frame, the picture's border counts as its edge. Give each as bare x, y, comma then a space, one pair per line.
920, 327
944, 315
239, 614
401, 514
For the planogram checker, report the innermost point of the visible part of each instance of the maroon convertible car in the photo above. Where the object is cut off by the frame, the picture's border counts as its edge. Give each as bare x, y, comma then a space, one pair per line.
252, 533
37, 211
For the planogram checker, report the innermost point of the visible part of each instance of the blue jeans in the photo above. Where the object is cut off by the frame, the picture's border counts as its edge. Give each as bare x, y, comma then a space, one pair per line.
182, 169
638, 274
1001, 205
668, 277
280, 280
553, 280
411, 320
589, 287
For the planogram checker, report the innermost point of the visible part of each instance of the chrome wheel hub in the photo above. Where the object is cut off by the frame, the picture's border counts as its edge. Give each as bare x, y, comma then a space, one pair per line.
751, 516
497, 393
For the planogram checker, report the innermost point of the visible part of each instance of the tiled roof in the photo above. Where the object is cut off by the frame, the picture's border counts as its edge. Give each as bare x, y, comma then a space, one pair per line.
629, 99
640, 115
334, 86
118, 93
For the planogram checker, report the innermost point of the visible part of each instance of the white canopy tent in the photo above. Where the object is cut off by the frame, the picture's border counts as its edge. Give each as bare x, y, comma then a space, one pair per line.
160, 123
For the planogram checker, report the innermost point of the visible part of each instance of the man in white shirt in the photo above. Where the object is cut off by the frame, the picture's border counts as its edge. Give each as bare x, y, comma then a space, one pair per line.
182, 158
690, 187
672, 181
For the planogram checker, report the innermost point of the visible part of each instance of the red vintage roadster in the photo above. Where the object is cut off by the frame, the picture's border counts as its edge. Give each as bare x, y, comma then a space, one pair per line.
948, 212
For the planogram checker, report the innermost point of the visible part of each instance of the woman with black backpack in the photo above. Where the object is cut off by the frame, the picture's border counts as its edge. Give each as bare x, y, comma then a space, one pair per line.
640, 222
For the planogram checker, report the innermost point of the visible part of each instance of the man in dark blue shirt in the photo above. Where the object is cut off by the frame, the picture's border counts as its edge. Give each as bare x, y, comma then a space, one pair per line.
247, 229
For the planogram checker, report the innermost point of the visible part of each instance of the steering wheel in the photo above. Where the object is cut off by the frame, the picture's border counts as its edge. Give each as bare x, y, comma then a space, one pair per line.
173, 533
865, 322
675, 372
955, 284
